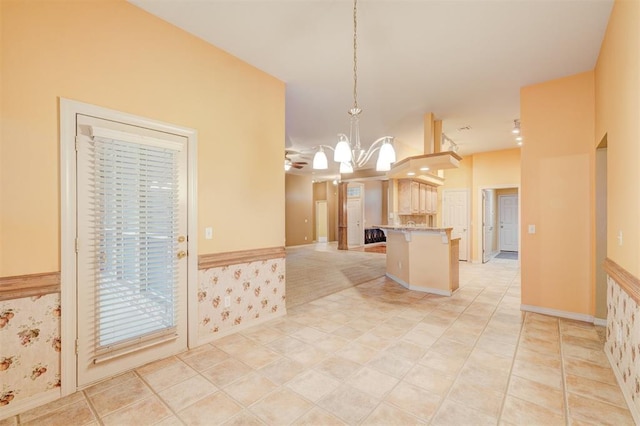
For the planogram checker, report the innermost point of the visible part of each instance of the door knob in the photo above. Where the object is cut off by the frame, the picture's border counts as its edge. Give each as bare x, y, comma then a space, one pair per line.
181, 239
182, 254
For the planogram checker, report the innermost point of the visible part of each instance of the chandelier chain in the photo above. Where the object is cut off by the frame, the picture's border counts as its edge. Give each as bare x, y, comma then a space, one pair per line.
355, 54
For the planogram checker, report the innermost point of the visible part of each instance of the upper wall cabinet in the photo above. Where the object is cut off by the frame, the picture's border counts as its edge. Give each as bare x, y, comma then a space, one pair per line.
416, 198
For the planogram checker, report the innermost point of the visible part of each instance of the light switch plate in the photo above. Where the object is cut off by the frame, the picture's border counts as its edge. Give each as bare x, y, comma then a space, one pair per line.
208, 233
532, 229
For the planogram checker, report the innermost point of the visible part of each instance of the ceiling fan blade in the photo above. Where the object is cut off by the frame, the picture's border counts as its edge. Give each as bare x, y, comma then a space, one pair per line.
302, 163
296, 166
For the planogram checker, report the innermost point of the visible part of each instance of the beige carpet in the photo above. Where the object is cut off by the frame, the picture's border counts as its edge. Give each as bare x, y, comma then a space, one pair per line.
315, 271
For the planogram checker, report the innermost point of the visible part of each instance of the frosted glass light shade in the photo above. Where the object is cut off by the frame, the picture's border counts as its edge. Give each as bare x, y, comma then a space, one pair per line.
382, 166
346, 167
387, 153
342, 153
320, 161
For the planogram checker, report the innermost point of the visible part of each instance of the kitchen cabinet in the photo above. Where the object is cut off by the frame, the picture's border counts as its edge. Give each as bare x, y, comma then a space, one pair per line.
424, 198
416, 198
434, 199
428, 202
404, 196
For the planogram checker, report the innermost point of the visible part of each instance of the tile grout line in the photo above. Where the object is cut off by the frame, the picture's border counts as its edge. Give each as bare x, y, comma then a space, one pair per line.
153, 391
401, 379
474, 346
565, 393
513, 361
92, 408
523, 316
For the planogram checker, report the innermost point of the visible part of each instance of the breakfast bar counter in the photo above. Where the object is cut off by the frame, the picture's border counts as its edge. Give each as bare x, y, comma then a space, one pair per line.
422, 258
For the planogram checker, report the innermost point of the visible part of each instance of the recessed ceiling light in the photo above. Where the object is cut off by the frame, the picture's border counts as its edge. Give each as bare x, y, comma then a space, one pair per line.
424, 169
520, 143
519, 138
411, 174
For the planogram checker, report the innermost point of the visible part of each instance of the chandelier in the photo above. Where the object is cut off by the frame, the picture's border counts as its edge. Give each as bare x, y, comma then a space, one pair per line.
348, 151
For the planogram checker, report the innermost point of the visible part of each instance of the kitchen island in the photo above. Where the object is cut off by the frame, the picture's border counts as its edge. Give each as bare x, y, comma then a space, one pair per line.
422, 258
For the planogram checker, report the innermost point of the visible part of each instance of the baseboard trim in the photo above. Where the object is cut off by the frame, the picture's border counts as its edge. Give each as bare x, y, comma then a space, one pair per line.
30, 403
216, 336
600, 322
406, 285
557, 313
627, 398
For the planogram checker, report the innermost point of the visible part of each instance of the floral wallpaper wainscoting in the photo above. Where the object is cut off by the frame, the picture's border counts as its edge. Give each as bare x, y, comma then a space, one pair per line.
29, 347
236, 296
623, 340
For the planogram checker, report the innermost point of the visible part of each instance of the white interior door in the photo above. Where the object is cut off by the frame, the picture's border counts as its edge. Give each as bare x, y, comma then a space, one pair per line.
321, 221
508, 211
455, 209
355, 231
131, 247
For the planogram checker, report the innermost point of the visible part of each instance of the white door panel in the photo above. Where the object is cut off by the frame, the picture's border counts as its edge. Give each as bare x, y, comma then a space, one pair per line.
355, 230
455, 205
508, 206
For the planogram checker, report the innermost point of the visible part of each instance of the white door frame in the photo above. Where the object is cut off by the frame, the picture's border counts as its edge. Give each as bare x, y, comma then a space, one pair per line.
486, 254
478, 232
68, 111
468, 215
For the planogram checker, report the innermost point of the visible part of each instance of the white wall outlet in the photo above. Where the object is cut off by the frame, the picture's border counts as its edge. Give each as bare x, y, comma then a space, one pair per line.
208, 233
532, 229
619, 238
227, 301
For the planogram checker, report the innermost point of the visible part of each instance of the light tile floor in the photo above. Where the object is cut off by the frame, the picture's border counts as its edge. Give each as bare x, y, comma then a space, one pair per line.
375, 354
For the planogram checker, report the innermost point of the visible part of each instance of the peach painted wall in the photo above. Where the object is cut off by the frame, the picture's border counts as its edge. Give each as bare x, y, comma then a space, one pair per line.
299, 209
557, 194
494, 169
617, 104
115, 55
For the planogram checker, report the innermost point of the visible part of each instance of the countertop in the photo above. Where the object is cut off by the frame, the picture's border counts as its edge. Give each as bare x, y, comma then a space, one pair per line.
413, 228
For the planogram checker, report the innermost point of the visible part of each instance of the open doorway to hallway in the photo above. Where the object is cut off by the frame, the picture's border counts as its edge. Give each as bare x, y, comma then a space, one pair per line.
500, 223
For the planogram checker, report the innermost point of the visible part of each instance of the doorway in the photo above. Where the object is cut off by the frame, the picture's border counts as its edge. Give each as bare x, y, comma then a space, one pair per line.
490, 243
355, 214
129, 221
322, 224
488, 224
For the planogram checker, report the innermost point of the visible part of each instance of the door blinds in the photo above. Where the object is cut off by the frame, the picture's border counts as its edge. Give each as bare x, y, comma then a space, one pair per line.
135, 220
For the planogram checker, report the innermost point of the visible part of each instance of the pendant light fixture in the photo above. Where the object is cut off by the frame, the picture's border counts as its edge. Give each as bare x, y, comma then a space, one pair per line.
348, 151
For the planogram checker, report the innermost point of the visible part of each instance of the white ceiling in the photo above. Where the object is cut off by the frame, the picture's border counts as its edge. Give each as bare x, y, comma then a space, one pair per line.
465, 61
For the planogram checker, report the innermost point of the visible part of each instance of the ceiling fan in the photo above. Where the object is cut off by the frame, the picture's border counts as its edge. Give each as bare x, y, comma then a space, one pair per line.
288, 163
